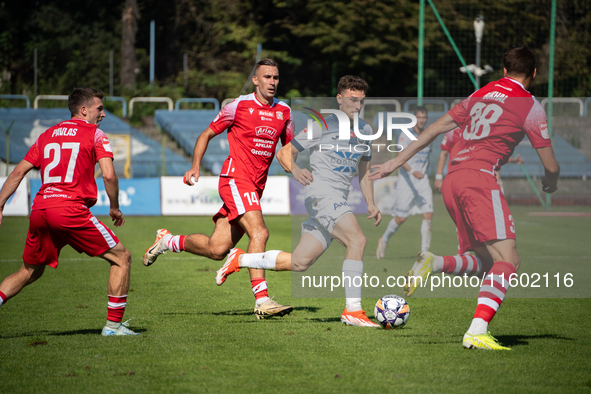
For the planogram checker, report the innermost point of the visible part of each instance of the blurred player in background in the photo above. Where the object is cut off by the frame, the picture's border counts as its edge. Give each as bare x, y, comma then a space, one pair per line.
493, 121
255, 124
412, 194
327, 189
449, 139
66, 155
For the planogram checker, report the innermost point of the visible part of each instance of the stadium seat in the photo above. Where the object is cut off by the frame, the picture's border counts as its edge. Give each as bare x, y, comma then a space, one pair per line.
146, 154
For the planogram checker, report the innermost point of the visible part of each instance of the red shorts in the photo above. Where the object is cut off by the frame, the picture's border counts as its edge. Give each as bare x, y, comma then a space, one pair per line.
52, 229
239, 196
478, 207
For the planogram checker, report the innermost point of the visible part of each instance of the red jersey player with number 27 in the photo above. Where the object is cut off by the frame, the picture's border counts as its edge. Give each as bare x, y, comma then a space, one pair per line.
66, 155
255, 124
493, 121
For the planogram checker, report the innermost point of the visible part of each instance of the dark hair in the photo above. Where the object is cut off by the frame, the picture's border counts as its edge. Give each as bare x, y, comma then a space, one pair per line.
82, 96
520, 61
351, 82
265, 62
421, 108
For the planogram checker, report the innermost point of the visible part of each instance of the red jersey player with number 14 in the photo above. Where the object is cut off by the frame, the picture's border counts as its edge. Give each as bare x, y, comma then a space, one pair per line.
255, 124
493, 121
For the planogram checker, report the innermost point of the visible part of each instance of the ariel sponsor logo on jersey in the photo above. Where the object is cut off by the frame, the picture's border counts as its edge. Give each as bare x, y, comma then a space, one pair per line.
265, 130
345, 132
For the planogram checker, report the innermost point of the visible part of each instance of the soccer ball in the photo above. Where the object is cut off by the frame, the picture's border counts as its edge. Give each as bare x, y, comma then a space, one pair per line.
392, 311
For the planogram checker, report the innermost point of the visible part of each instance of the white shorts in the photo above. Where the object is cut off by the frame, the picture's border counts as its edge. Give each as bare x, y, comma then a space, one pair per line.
412, 196
324, 214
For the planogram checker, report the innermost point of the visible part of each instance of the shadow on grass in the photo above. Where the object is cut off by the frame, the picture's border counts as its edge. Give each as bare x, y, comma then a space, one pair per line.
239, 312
246, 312
60, 333
311, 309
514, 340
324, 320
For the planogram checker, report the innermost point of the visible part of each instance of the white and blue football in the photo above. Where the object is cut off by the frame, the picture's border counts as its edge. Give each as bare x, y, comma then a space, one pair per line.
391, 311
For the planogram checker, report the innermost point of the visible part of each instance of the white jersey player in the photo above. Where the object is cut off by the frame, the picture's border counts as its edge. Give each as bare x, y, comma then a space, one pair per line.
412, 193
334, 162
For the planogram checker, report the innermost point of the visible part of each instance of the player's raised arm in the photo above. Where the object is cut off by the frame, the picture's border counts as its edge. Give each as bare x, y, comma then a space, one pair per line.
12, 182
112, 189
551, 167
442, 125
366, 186
200, 148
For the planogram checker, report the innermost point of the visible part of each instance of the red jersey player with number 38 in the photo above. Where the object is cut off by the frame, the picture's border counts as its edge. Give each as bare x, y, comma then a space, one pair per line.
256, 123
493, 121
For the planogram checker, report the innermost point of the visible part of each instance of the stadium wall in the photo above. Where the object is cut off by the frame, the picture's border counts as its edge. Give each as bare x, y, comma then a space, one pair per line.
160, 196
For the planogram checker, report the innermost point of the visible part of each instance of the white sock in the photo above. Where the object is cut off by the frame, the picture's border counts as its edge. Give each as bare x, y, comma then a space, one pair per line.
165, 240
426, 234
113, 324
261, 301
265, 261
478, 326
437, 264
390, 230
352, 269
173, 243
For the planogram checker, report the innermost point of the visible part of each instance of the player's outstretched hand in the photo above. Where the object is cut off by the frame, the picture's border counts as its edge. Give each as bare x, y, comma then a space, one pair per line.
418, 174
547, 187
374, 213
438, 184
302, 175
117, 217
383, 170
517, 159
191, 177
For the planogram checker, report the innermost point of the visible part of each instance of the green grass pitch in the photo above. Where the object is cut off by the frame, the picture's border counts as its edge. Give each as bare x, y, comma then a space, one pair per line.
198, 337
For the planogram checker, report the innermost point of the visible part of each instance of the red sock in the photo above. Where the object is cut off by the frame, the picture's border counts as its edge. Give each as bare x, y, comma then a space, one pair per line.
3, 298
259, 288
116, 308
461, 264
493, 290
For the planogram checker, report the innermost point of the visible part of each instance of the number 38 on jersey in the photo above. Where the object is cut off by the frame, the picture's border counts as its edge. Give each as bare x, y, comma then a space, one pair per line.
483, 116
